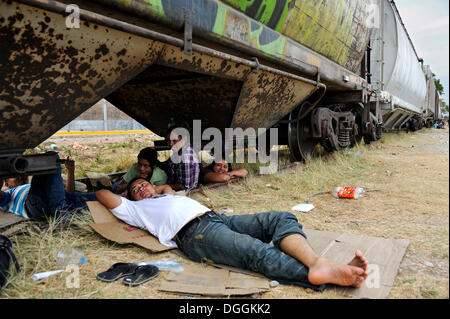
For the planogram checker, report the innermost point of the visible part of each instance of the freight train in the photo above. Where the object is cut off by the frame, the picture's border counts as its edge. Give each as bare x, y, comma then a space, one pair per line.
322, 72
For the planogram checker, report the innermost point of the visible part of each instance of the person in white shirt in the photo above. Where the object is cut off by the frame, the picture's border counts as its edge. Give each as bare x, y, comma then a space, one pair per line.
241, 241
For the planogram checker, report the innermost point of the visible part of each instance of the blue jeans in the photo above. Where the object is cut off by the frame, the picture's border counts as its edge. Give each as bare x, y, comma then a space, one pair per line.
47, 196
243, 241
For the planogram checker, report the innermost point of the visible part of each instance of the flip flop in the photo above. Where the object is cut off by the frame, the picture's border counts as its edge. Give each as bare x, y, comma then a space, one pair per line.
117, 271
142, 274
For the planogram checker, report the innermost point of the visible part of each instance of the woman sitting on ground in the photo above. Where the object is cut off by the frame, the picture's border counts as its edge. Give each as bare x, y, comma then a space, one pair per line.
146, 167
221, 172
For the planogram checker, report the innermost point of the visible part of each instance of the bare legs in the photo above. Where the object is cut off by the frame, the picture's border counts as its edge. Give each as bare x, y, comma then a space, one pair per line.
322, 271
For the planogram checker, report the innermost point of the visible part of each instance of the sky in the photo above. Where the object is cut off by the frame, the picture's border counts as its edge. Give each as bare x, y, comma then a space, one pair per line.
428, 27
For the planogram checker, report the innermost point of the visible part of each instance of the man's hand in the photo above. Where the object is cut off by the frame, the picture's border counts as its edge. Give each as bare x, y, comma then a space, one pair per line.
69, 164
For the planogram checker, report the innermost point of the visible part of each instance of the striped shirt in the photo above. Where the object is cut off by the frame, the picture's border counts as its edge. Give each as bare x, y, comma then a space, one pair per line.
14, 201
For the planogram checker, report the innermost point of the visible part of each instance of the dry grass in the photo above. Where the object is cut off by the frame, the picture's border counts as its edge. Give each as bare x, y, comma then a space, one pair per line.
412, 204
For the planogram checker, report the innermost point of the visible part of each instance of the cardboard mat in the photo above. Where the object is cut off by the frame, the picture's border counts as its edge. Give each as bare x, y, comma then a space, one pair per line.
208, 281
383, 254
10, 223
8, 219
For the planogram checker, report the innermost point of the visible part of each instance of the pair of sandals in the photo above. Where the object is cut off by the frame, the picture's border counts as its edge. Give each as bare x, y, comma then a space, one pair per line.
133, 274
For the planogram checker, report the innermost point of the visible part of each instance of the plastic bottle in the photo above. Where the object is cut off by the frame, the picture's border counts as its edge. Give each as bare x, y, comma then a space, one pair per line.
69, 256
347, 192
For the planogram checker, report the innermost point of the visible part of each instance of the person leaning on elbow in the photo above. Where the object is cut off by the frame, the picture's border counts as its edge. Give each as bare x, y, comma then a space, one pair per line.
222, 172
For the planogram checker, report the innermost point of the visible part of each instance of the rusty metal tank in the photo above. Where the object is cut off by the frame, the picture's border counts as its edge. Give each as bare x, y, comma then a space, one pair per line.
198, 59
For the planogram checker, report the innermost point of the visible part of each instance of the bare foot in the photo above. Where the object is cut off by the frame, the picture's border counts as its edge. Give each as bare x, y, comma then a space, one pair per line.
359, 261
327, 272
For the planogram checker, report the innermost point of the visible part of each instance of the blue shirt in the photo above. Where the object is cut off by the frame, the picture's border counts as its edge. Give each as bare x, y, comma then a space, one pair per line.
14, 201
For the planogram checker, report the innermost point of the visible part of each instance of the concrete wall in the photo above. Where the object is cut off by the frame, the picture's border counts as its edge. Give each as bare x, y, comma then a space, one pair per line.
94, 120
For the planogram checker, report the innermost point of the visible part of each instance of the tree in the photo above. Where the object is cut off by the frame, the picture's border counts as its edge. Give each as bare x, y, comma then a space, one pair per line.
443, 106
438, 84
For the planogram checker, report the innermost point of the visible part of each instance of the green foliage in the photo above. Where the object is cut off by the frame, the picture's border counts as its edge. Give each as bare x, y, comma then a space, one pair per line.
443, 106
439, 86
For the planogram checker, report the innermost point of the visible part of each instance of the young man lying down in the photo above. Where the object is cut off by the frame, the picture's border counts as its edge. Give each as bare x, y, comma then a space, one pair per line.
239, 240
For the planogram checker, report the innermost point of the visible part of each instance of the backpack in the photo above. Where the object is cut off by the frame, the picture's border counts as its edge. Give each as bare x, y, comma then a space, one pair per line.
6, 256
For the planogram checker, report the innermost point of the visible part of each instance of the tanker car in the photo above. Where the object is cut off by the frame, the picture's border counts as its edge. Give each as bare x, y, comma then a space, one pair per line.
328, 72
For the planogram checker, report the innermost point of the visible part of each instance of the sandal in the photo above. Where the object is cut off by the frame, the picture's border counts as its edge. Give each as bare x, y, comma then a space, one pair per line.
142, 274
117, 271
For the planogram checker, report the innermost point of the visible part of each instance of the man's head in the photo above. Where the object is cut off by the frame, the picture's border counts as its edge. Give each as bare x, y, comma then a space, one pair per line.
221, 166
147, 160
16, 181
139, 188
177, 137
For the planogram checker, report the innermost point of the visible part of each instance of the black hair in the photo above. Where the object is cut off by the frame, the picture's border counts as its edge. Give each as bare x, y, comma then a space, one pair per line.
149, 154
129, 186
175, 126
217, 160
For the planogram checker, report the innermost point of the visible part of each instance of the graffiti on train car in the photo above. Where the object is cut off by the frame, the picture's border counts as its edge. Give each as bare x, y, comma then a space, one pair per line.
332, 28
214, 17
269, 12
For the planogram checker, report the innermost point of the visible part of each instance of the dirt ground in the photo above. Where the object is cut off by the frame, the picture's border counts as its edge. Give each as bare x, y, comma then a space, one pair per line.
409, 171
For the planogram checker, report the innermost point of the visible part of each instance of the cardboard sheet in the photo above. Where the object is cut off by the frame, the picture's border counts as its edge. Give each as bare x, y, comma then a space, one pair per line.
8, 219
205, 280
107, 225
384, 256
101, 178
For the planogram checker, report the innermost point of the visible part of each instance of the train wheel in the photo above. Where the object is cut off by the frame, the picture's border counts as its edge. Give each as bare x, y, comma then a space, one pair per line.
300, 139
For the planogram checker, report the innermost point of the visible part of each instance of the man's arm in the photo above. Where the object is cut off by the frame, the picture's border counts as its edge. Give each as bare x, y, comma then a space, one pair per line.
213, 177
164, 189
108, 198
176, 187
239, 172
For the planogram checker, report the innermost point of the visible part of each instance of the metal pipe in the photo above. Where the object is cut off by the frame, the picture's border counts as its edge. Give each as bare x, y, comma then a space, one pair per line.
89, 16
105, 116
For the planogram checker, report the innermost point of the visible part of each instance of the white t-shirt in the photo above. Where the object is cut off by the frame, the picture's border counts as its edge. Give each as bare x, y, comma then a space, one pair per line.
163, 215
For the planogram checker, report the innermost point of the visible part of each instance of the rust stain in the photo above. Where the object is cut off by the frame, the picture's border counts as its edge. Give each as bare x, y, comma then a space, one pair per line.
50, 74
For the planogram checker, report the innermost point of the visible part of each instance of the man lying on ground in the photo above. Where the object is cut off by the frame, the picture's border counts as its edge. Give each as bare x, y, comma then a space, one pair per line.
16, 181
240, 240
221, 172
45, 196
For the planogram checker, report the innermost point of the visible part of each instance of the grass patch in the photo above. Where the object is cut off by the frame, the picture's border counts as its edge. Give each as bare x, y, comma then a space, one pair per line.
383, 214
